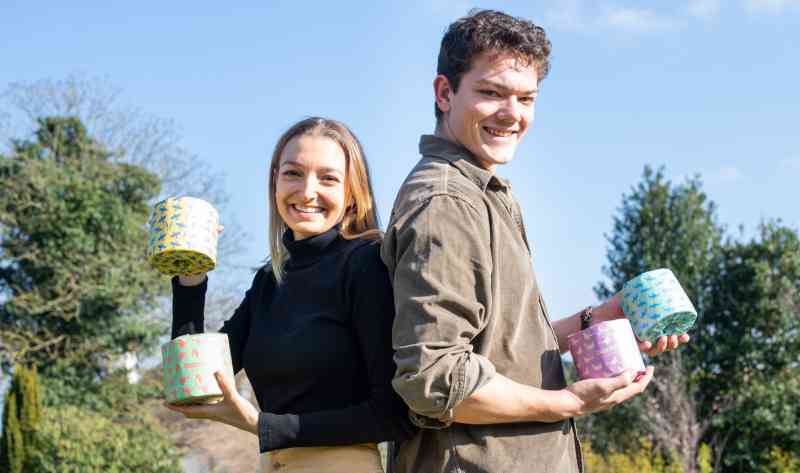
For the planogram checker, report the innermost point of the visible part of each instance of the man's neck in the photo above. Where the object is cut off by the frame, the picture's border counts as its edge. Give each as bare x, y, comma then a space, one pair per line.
441, 131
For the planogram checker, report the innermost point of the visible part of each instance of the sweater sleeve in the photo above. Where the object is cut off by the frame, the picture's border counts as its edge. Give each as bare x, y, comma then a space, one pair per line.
382, 415
188, 306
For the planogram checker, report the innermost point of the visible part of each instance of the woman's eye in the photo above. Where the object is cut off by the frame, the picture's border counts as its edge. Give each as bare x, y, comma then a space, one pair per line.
330, 178
291, 173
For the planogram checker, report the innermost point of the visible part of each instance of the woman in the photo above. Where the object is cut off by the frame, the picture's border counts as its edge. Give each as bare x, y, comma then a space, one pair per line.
313, 333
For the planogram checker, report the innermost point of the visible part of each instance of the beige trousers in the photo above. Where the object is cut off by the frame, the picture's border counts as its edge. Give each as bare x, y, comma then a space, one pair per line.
362, 458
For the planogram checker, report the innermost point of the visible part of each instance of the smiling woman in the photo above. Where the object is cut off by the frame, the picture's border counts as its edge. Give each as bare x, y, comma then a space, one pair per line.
318, 178
313, 333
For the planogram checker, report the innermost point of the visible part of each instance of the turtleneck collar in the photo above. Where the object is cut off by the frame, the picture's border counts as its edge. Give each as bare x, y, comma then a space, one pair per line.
310, 249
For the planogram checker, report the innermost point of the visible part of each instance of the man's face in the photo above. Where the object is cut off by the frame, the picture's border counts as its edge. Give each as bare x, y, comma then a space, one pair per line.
492, 109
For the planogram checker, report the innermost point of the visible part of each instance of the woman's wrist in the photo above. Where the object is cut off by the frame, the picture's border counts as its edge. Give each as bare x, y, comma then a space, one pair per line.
192, 280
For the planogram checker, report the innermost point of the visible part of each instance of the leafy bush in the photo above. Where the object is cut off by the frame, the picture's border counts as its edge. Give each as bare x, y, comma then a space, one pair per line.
643, 460
71, 439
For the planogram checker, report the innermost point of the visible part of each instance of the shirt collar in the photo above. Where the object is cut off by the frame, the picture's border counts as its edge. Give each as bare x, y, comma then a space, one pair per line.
462, 159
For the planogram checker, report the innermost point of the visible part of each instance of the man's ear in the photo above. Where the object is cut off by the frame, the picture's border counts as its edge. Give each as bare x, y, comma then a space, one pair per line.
443, 92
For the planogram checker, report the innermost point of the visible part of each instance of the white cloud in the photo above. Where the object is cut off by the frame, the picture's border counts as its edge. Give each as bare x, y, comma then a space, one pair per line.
705, 9
729, 174
637, 20
769, 6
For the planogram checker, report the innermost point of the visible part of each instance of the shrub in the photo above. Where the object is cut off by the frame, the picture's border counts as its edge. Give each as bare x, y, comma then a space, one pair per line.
75, 440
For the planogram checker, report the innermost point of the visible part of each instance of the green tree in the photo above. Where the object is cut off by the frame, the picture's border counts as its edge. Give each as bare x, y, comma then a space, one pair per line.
72, 239
661, 225
22, 412
747, 349
30, 409
732, 386
12, 449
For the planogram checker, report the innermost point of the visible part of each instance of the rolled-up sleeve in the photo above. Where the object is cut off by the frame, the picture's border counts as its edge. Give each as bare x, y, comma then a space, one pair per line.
439, 257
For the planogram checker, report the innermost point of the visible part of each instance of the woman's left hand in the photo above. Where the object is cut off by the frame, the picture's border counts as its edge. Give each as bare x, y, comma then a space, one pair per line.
233, 409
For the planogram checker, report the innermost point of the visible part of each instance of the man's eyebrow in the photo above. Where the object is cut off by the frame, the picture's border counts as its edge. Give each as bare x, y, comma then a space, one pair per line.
501, 87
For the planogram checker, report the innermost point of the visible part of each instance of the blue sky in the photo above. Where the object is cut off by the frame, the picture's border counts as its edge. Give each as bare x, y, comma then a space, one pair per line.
700, 86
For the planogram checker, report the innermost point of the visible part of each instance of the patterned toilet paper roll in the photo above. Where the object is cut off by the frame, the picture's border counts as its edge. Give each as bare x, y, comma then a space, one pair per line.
605, 350
183, 236
657, 305
189, 365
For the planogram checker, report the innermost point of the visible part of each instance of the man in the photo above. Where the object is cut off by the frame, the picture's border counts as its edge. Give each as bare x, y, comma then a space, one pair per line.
478, 361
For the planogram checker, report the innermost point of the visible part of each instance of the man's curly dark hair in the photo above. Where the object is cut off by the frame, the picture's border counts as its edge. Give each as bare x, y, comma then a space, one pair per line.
494, 31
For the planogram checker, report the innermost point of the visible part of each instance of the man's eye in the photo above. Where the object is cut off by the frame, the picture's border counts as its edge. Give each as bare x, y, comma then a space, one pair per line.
490, 93
528, 100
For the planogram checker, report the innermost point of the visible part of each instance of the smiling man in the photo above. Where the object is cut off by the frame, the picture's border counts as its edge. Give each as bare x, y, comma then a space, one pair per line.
478, 360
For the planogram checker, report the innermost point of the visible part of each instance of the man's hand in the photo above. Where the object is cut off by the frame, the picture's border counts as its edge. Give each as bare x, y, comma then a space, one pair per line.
595, 395
232, 410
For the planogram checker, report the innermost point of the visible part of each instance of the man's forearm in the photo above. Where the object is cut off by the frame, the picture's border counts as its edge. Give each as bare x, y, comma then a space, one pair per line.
569, 325
503, 401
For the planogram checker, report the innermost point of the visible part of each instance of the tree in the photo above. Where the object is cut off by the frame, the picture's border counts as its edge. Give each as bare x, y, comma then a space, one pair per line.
22, 413
131, 136
747, 351
128, 134
72, 239
661, 225
12, 453
734, 385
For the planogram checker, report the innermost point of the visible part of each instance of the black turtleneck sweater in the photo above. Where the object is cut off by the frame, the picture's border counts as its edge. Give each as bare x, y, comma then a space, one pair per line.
317, 347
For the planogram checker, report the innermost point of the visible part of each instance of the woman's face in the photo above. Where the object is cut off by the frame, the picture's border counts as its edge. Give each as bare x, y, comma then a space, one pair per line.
309, 185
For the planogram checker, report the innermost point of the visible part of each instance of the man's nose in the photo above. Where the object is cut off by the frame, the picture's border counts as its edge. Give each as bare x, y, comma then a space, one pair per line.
511, 109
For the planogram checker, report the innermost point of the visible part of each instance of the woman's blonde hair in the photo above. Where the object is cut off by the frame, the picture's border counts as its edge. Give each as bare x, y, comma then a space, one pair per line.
360, 219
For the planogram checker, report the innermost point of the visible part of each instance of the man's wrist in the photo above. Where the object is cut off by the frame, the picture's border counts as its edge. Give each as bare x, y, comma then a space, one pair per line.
608, 310
552, 405
565, 405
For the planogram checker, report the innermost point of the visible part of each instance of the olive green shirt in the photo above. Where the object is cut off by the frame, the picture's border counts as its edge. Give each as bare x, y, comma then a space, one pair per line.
468, 306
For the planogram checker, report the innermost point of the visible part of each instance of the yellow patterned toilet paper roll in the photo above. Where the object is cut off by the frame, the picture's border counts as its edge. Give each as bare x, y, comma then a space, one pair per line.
183, 236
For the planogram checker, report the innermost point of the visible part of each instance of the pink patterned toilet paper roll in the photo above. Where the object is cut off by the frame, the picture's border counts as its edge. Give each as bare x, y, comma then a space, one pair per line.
605, 350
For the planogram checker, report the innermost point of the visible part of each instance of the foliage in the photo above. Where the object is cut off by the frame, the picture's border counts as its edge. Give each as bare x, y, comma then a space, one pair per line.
12, 448
72, 236
101, 426
734, 386
660, 225
704, 459
22, 413
72, 439
112, 393
782, 462
134, 137
642, 460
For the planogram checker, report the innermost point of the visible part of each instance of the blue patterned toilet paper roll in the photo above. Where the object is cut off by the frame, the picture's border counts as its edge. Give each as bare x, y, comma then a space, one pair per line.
657, 305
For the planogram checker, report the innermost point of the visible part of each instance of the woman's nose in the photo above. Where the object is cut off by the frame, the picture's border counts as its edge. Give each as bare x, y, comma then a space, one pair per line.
310, 188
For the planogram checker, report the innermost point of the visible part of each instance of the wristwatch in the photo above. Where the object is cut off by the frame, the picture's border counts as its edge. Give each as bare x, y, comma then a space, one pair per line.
586, 317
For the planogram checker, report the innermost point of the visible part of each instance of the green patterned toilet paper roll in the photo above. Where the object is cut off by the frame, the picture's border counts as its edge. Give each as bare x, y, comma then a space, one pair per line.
656, 305
189, 365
